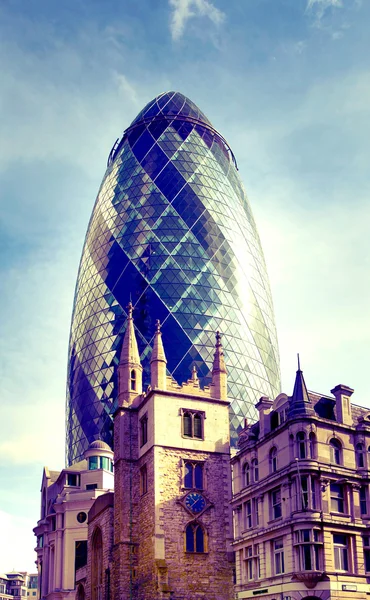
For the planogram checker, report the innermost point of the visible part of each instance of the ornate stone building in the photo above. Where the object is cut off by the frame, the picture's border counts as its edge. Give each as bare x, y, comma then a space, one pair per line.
171, 515
301, 498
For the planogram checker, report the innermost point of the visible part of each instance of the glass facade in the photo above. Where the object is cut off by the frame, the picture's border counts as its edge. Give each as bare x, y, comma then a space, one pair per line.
172, 230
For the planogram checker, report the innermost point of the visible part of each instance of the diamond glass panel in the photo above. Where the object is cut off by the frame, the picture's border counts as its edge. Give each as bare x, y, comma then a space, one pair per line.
172, 229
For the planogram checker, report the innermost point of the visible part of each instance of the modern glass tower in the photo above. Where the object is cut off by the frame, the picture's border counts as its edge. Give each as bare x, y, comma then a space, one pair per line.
173, 231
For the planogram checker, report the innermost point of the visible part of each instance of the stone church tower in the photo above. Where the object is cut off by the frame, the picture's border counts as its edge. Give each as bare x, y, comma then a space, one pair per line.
171, 511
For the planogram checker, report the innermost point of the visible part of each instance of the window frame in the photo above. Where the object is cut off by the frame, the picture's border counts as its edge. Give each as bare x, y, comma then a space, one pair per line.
278, 554
143, 480
336, 457
276, 504
273, 459
338, 498
308, 547
194, 464
192, 414
341, 553
144, 430
195, 526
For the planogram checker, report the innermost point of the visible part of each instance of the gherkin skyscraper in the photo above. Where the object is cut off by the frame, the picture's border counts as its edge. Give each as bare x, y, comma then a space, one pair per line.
173, 231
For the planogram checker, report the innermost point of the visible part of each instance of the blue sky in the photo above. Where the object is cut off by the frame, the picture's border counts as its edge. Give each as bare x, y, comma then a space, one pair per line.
287, 82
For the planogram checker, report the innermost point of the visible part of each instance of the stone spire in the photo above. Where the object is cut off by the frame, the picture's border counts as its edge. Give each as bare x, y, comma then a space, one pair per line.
219, 373
299, 402
158, 361
130, 370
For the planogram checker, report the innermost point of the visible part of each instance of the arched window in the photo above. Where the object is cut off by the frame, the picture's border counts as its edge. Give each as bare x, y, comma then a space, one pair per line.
80, 594
273, 460
193, 476
194, 537
133, 379
335, 452
255, 472
301, 444
360, 459
312, 445
246, 474
97, 565
192, 424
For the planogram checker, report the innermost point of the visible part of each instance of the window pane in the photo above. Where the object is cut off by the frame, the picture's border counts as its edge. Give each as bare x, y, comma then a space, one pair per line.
188, 479
93, 463
189, 539
199, 539
188, 431
197, 426
199, 477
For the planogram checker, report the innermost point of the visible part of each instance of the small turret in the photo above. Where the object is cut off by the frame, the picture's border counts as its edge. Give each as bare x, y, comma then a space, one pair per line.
130, 371
299, 402
158, 361
219, 373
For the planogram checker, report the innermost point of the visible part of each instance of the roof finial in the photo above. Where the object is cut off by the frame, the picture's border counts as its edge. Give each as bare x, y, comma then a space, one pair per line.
299, 364
129, 309
194, 373
158, 325
219, 360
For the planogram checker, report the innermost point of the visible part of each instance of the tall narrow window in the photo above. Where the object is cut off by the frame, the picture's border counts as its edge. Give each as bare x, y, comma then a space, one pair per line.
188, 425
312, 445
363, 500
273, 459
337, 497
360, 462
301, 444
255, 472
308, 546
335, 452
143, 430
133, 379
275, 497
197, 426
248, 514
366, 543
97, 565
143, 480
194, 537
278, 549
340, 544
306, 492
246, 474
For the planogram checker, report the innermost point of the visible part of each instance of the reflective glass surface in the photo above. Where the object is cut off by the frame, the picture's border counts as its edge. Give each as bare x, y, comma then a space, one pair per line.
172, 229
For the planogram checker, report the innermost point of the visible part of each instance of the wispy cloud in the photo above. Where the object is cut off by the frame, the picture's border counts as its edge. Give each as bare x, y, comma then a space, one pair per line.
183, 10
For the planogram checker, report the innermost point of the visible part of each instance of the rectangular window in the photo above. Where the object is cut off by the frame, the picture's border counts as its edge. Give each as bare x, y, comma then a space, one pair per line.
278, 550
251, 563
275, 498
80, 554
366, 544
363, 499
340, 544
337, 497
306, 492
104, 463
193, 424
308, 547
91, 486
247, 514
73, 479
143, 430
143, 480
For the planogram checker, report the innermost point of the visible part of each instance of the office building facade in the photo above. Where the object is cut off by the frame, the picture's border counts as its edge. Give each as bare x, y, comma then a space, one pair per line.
173, 231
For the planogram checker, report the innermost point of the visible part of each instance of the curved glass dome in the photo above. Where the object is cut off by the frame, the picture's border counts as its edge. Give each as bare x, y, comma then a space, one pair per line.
171, 229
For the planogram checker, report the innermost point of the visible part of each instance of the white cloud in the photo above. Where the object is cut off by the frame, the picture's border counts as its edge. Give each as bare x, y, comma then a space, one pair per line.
183, 10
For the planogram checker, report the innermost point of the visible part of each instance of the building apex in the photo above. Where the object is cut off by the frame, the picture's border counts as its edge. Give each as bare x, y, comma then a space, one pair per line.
158, 354
300, 402
219, 358
130, 351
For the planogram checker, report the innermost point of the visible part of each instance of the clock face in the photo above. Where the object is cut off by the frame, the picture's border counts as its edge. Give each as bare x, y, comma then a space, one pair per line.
195, 502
